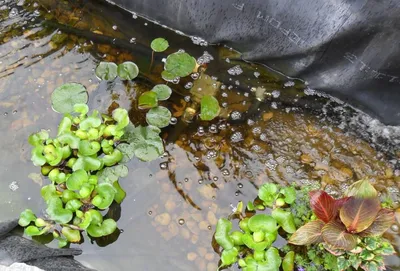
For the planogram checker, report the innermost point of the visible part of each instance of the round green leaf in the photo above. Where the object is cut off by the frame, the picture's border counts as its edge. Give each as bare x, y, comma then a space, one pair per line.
163, 92
267, 193
26, 217
106, 70
87, 148
75, 181
148, 100
290, 194
229, 257
120, 115
262, 222
98, 230
127, 152
168, 76
37, 157
66, 96
159, 45
86, 190
87, 164
112, 158
180, 64
121, 194
73, 236
73, 205
56, 211
273, 258
112, 174
209, 107
147, 143
105, 196
128, 70
158, 116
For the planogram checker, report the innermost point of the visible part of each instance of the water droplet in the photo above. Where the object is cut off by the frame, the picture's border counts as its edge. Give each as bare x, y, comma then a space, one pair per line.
224, 94
114, 27
227, 60
121, 230
222, 126
276, 93
176, 80
274, 105
164, 165
235, 115
186, 180
188, 85
235, 70
240, 185
256, 74
205, 58
132, 40
134, 15
224, 104
15, 112
150, 212
200, 130
13, 186
237, 193
225, 172
209, 227
195, 75
200, 181
215, 178
223, 87
263, 137
5, 113
187, 99
13, 12
181, 221
173, 121
236, 137
213, 129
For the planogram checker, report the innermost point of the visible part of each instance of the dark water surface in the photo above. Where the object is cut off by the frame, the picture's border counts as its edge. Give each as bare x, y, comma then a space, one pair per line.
168, 218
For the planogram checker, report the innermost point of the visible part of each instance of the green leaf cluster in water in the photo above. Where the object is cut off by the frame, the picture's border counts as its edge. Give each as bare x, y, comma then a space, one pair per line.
83, 163
109, 70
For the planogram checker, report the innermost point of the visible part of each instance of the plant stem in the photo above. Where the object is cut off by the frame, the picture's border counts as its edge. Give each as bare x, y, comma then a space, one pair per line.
152, 59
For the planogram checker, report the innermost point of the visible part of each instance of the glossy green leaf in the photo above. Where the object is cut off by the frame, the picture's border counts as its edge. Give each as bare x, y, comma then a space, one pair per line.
159, 45
65, 126
34, 231
26, 217
273, 258
357, 214
290, 194
267, 193
105, 228
310, 233
73, 236
121, 194
250, 243
112, 158
120, 115
147, 143
106, 70
262, 222
68, 195
224, 226
335, 234
87, 148
362, 189
168, 76
48, 192
250, 206
285, 220
244, 225
148, 100
158, 116
288, 261
128, 70
62, 242
163, 92
209, 107
105, 196
112, 174
229, 256
53, 154
236, 237
73, 205
77, 178
384, 219
180, 64
69, 139
37, 157
90, 122
38, 138
66, 96
86, 190
82, 109
87, 164
56, 211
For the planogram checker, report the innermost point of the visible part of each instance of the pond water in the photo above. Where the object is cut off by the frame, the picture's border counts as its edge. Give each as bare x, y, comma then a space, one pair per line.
168, 219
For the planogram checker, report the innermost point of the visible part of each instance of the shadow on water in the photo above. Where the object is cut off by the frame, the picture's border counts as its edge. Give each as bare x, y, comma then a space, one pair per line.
169, 216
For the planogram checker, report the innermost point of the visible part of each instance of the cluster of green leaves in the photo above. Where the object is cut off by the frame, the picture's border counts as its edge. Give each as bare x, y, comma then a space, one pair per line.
252, 246
109, 70
349, 228
83, 163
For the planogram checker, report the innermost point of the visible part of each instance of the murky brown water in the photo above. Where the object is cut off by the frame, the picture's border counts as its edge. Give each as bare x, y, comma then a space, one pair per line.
172, 205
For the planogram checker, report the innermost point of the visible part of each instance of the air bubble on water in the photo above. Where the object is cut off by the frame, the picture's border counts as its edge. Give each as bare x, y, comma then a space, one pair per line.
181, 221
13, 12
250, 122
164, 165
274, 105
5, 113
114, 27
223, 87
134, 15
256, 130
173, 121
235, 115
175, 80
256, 148
186, 180
164, 60
181, 51
236, 137
224, 104
13, 186
195, 75
187, 99
199, 41
289, 84
211, 154
213, 128
230, 87
14, 112
214, 78
240, 185
246, 94
215, 178
228, 60
200, 181
224, 94
276, 93
222, 126
205, 58
200, 130
237, 193
309, 91
132, 40
394, 228
271, 164
237, 82
256, 74
225, 172
145, 24
188, 85
235, 70
150, 212
36, 13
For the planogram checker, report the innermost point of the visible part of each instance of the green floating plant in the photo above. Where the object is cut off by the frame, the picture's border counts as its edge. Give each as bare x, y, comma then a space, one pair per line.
209, 107
159, 45
109, 70
66, 96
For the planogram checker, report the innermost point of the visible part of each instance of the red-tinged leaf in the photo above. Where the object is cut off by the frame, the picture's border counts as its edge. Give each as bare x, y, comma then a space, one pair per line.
383, 221
308, 234
335, 234
340, 202
362, 189
323, 205
357, 214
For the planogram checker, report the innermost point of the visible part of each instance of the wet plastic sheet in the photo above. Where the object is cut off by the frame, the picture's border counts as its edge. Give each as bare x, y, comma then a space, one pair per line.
347, 48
